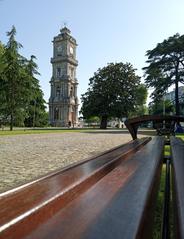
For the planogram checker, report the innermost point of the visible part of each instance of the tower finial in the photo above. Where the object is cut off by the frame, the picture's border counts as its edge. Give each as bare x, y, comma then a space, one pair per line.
64, 28
64, 24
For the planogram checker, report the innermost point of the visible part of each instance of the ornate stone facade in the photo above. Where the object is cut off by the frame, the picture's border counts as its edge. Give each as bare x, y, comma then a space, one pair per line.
63, 102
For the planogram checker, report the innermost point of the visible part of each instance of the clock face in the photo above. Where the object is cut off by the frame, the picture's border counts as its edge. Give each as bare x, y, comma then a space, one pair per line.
71, 50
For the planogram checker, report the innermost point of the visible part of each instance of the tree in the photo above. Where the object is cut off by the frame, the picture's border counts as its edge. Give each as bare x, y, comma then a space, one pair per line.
35, 111
2, 49
140, 107
21, 97
111, 93
159, 107
166, 67
14, 87
92, 120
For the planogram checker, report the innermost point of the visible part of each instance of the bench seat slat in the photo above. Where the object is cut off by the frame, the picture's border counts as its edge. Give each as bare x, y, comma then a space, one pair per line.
177, 152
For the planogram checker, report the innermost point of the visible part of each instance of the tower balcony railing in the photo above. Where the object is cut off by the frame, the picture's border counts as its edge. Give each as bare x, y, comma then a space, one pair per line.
64, 58
64, 78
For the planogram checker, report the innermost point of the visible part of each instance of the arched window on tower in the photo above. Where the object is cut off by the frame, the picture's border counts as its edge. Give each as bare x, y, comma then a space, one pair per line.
56, 114
71, 92
58, 72
58, 91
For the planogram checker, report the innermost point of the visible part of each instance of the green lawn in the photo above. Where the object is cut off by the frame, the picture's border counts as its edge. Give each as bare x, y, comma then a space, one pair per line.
19, 131
180, 136
39, 131
160, 202
159, 207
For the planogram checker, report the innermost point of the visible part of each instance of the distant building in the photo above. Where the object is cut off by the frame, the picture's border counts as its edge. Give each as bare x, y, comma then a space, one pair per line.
63, 102
171, 95
116, 123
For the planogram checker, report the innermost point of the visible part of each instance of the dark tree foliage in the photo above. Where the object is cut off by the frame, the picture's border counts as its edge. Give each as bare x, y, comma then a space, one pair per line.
14, 85
140, 107
161, 107
18, 86
166, 67
2, 49
112, 92
35, 111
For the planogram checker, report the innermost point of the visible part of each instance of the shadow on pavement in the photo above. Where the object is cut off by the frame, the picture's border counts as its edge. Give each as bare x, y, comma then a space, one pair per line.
107, 131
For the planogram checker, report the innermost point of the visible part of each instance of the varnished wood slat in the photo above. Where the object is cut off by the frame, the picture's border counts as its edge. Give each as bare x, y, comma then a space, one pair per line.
133, 124
177, 151
26, 207
120, 205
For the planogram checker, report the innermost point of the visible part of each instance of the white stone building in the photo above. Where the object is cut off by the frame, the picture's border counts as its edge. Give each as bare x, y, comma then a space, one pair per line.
63, 102
171, 95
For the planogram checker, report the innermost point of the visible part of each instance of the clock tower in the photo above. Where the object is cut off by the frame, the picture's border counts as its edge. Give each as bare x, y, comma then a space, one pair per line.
63, 102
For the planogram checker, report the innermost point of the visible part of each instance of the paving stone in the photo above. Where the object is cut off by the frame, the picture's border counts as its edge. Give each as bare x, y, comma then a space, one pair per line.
26, 157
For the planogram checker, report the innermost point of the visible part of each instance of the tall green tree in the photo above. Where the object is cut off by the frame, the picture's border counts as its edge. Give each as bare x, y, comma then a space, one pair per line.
35, 110
15, 86
111, 93
166, 67
21, 97
2, 49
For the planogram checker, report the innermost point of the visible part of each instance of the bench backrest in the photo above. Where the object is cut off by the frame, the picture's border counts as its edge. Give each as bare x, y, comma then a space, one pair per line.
167, 121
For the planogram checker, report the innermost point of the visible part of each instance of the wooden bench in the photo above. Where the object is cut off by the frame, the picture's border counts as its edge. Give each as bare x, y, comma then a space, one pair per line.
177, 151
165, 123
110, 196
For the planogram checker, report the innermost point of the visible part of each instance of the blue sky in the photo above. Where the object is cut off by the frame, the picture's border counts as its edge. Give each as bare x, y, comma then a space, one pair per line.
105, 30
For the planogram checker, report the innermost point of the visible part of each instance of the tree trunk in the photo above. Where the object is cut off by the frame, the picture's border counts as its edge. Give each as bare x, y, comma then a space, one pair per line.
11, 122
103, 123
177, 78
177, 98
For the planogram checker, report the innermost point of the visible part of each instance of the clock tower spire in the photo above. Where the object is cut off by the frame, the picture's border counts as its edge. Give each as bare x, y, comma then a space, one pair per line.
63, 102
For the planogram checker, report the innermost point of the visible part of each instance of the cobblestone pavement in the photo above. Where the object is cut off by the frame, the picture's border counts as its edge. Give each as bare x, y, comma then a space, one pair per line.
26, 157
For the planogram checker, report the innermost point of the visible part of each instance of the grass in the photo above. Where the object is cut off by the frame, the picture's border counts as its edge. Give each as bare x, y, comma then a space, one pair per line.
20, 131
180, 136
160, 203
40, 131
167, 150
157, 230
